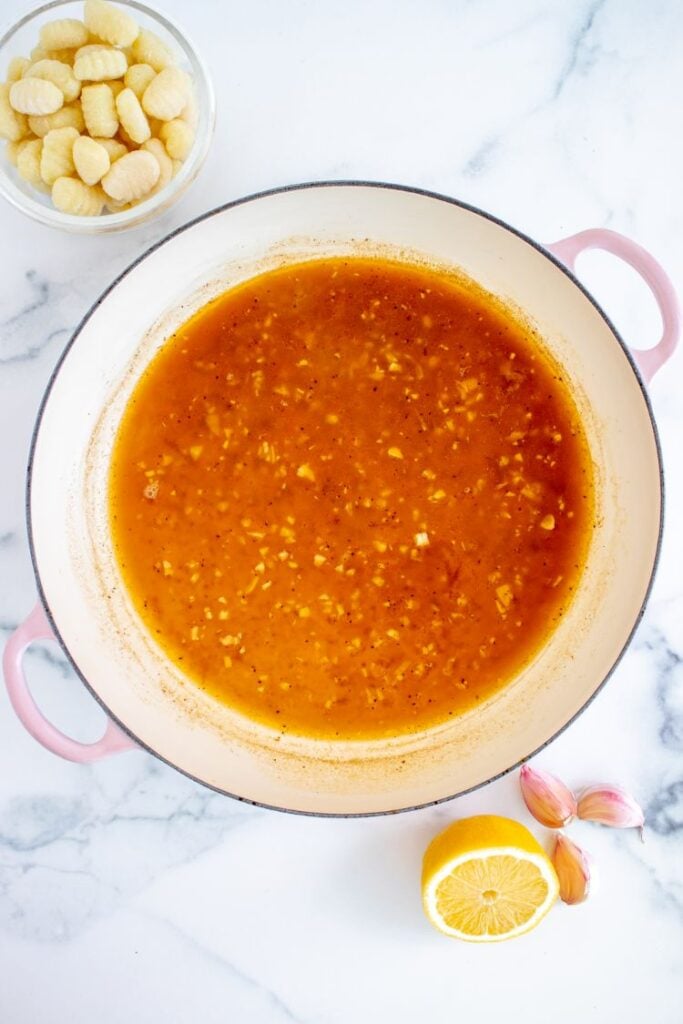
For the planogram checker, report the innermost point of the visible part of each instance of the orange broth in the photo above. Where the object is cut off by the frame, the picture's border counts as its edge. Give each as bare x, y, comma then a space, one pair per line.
351, 497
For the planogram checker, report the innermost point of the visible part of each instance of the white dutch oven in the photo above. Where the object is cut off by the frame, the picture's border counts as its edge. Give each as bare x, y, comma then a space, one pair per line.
84, 605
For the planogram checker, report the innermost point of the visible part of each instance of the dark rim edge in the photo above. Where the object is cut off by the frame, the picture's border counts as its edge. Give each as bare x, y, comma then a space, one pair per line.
345, 184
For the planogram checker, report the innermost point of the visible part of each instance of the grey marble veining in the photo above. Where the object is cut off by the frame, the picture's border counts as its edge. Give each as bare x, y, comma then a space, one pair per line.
127, 892
56, 852
583, 50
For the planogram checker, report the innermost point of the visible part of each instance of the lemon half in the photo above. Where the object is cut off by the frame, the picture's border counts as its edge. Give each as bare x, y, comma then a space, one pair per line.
487, 878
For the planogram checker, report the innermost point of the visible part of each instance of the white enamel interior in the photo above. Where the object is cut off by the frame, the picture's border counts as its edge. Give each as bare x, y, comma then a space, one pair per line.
95, 618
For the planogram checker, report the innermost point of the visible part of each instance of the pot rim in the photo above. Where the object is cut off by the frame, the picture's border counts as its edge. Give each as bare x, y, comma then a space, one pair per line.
353, 183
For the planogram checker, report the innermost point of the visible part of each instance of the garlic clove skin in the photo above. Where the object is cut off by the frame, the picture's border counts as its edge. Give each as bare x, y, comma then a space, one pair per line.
610, 805
547, 797
573, 870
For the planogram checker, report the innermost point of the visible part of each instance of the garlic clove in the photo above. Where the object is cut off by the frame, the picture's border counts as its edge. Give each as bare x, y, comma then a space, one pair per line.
610, 805
573, 870
547, 798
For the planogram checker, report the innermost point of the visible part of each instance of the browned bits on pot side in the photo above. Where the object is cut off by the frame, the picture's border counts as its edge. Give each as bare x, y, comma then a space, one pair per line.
351, 497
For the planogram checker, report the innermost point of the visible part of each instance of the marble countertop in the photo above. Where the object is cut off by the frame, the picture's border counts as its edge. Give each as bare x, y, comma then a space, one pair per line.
127, 892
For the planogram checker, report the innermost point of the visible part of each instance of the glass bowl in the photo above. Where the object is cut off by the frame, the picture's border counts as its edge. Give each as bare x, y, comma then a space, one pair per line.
22, 37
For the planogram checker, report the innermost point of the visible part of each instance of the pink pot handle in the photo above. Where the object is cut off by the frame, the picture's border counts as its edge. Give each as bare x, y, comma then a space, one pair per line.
37, 627
655, 277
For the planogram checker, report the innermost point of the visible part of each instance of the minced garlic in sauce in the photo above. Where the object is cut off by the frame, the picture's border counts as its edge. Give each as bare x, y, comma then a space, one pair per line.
351, 497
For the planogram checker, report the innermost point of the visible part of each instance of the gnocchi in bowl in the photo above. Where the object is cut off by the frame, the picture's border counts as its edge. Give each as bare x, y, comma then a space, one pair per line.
106, 114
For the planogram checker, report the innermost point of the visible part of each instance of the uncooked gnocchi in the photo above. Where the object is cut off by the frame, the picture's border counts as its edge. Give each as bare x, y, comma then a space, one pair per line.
149, 49
132, 177
132, 117
82, 51
73, 196
67, 33
99, 110
91, 160
29, 162
68, 116
167, 94
99, 115
100, 65
138, 77
16, 68
158, 151
13, 125
114, 147
35, 96
56, 158
109, 23
178, 137
59, 74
